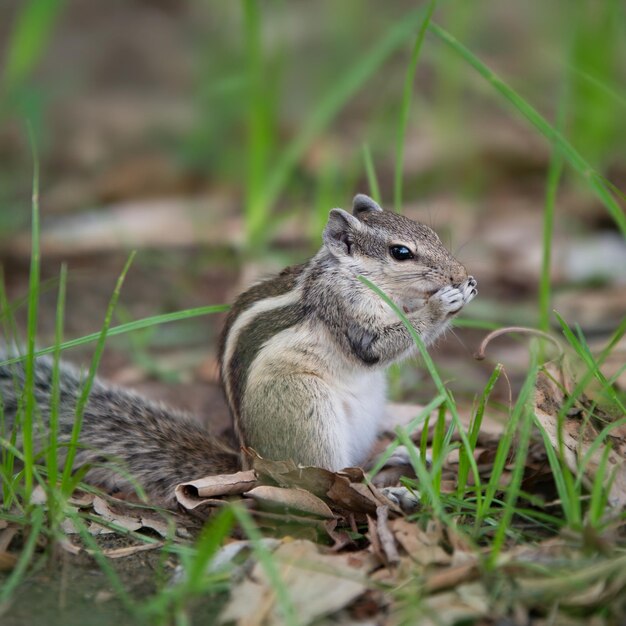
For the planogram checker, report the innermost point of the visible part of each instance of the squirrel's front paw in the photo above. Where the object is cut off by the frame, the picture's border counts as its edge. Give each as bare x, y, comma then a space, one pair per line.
450, 300
453, 299
469, 289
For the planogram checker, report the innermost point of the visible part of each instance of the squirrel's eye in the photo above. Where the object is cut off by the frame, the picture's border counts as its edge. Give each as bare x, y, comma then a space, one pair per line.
401, 253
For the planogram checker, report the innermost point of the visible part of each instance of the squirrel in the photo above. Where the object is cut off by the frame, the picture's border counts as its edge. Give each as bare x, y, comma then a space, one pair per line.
302, 361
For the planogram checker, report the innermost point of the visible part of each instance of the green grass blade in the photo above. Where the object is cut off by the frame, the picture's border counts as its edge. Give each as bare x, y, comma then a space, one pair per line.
573, 157
438, 446
600, 489
372, 179
259, 131
464, 465
428, 491
554, 177
55, 396
569, 501
505, 444
33, 305
593, 370
600, 441
81, 403
7, 457
464, 322
336, 97
513, 490
619, 98
146, 322
620, 331
208, 543
29, 36
405, 109
421, 418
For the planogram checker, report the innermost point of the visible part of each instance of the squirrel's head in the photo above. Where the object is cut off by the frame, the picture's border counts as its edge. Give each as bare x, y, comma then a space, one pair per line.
404, 258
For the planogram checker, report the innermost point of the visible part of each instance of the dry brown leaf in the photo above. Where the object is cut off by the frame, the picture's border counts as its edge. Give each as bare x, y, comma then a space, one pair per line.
134, 519
387, 540
7, 561
372, 534
69, 528
118, 553
343, 490
8, 532
202, 491
156, 523
38, 496
70, 547
466, 603
81, 499
100, 506
294, 499
420, 546
317, 585
452, 577
341, 538
103, 596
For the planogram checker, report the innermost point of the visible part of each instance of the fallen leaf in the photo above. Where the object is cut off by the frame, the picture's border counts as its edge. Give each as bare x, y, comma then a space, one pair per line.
422, 547
128, 518
118, 553
317, 585
387, 540
103, 596
344, 490
452, 577
81, 499
8, 532
464, 604
198, 492
293, 499
129, 522
7, 561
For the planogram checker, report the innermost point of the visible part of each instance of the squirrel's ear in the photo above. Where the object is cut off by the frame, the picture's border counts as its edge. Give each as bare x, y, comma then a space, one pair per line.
339, 232
364, 204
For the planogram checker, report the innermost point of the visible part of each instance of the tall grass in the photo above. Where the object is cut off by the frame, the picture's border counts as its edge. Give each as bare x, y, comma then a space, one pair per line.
260, 131
68, 483
592, 178
338, 94
29, 37
33, 305
405, 109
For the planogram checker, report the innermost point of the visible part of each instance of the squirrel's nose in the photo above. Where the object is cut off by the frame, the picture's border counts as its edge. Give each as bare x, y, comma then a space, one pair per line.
457, 276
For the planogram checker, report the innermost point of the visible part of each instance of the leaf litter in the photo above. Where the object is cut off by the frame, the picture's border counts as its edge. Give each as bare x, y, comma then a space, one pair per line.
344, 548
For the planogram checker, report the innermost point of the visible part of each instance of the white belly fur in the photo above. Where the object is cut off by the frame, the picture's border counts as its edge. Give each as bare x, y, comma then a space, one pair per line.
358, 393
362, 396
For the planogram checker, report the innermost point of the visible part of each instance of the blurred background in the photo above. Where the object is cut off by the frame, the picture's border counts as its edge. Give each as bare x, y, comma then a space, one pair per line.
213, 137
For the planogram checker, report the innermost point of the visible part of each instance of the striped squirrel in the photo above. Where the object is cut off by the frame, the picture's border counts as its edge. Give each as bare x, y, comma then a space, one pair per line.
302, 361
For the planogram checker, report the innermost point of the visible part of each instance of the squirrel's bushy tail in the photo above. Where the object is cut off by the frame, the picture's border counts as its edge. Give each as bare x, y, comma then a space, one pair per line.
125, 439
